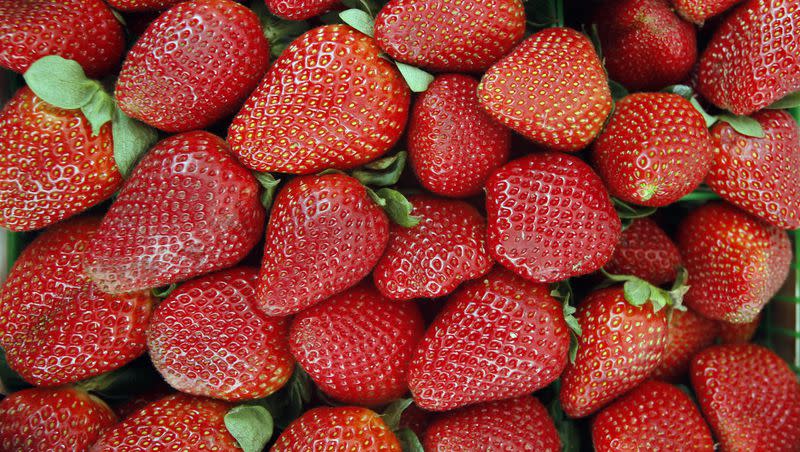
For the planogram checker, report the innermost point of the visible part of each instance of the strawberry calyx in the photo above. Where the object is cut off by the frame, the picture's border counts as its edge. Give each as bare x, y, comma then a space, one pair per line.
637, 291
789, 101
627, 213
377, 176
562, 291
270, 186
744, 125
567, 428
278, 31
409, 441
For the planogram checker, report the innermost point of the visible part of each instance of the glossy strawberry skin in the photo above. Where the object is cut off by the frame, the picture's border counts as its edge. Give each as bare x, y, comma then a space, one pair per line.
141, 5
52, 167
44, 420
188, 208
300, 9
340, 428
654, 150
688, 333
749, 396
645, 250
566, 115
532, 201
698, 11
329, 101
736, 262
759, 175
207, 338
324, 235
739, 333
450, 35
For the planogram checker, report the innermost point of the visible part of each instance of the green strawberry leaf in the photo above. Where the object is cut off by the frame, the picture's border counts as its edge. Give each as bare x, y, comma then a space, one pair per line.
270, 185
702, 194
396, 206
369, 6
250, 425
637, 291
710, 119
417, 79
566, 427
617, 90
99, 111
409, 442
682, 90
164, 291
789, 101
278, 31
382, 172
360, 20
795, 112
563, 291
131, 140
61, 82
745, 125
392, 413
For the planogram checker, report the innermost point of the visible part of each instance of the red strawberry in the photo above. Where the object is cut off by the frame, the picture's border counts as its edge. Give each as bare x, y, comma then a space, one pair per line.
329, 101
654, 416
300, 9
356, 345
759, 175
511, 425
193, 66
325, 234
698, 11
31, 29
44, 420
550, 217
754, 57
42, 183
188, 209
207, 338
450, 35
750, 397
738, 333
645, 44
645, 250
58, 327
654, 150
551, 88
688, 333
337, 428
141, 5
736, 262
496, 338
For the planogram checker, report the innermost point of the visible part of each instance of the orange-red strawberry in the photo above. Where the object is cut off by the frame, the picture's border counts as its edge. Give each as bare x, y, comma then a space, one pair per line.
207, 338
736, 262
329, 101
337, 428
738, 333
654, 150
698, 11
687, 334
550, 217
645, 251
551, 88
141, 5
189, 208
300, 9
750, 397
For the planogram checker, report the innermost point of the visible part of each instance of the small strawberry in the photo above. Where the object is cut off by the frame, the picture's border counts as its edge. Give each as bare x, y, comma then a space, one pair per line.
300, 9
550, 217
739, 333
645, 251
750, 397
337, 428
688, 333
698, 11
141, 5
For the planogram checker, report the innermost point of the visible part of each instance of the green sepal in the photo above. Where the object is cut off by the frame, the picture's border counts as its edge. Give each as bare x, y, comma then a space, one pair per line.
789, 101
396, 206
701, 194
369, 6
563, 292
61, 82
416, 79
164, 291
543, 14
392, 414
251, 425
627, 213
617, 90
710, 119
290, 401
745, 125
131, 140
566, 427
278, 31
409, 442
682, 90
360, 20
99, 111
637, 291
270, 185
382, 172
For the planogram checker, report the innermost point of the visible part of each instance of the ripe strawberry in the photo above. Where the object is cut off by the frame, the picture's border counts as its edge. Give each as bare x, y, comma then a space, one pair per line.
688, 333
653, 416
739, 333
329, 101
698, 11
620, 346
654, 150
337, 428
759, 175
551, 88
141, 5
300, 9
188, 209
645, 250
31, 29
207, 338
749, 396
754, 57
194, 65
325, 234
496, 338
736, 262
44, 420
57, 326
42, 183
450, 35
512, 425
453, 144
356, 345
550, 217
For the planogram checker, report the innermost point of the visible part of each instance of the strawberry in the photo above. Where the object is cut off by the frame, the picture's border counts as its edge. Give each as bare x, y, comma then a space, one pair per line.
759, 175
44, 419
645, 250
653, 416
194, 65
329, 101
654, 150
207, 338
515, 424
450, 35
31, 29
300, 9
551, 88
58, 327
141, 5
750, 397
736, 262
337, 428
356, 345
739, 333
550, 217
698, 11
188, 209
496, 338
645, 44
688, 333
753, 59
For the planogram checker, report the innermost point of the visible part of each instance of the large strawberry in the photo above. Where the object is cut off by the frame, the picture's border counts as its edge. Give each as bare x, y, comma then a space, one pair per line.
300, 9
141, 5
739, 333
688, 333
645, 251
750, 397
189, 208
337, 428
698, 11
550, 217
551, 88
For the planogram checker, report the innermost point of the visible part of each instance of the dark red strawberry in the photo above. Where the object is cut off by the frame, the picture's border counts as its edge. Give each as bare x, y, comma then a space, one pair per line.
738, 333
698, 11
688, 333
189, 208
337, 428
750, 397
300, 9
550, 217
141, 5
645, 250
736, 262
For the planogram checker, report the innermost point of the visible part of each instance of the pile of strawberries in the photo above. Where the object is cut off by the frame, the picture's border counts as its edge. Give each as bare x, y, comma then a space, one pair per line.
441, 225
